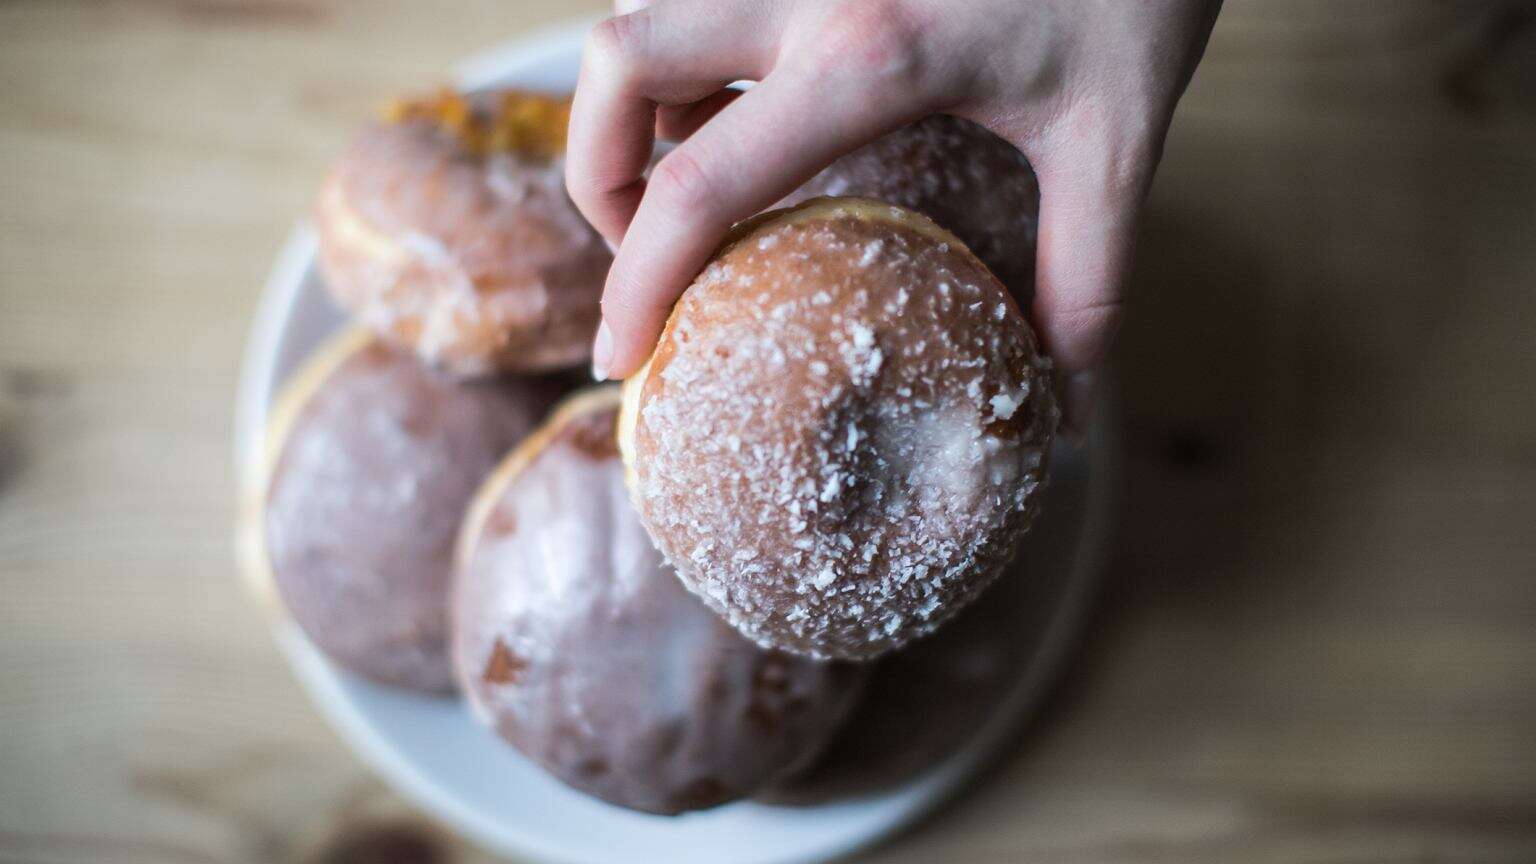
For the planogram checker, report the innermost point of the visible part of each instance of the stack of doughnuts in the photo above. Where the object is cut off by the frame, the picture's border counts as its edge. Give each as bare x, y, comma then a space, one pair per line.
665, 595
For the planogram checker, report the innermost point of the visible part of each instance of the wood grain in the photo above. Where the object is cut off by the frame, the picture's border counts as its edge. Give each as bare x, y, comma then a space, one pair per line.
1319, 642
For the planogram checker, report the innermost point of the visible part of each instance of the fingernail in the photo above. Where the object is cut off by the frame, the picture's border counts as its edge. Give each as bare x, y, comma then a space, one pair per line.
1078, 395
602, 352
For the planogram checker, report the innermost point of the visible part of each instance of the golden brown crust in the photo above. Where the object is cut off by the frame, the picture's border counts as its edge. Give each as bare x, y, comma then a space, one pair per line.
864, 404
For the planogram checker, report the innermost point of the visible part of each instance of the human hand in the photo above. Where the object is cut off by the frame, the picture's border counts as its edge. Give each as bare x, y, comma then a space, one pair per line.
1084, 89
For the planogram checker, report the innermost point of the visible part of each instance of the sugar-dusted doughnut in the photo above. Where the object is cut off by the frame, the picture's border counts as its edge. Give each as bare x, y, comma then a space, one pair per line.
928, 700
372, 460
839, 439
447, 229
958, 174
574, 640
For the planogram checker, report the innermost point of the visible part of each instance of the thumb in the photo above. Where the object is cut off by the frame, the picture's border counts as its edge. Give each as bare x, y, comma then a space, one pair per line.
1090, 199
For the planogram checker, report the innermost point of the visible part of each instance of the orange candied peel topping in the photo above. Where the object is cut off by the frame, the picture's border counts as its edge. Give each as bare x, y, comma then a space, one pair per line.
510, 121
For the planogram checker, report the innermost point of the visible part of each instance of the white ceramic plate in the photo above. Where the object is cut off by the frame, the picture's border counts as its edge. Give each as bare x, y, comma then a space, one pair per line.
434, 753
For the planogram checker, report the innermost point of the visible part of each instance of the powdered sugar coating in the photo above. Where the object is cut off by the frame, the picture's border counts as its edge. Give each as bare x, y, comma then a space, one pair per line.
575, 641
365, 497
930, 698
840, 438
958, 174
476, 261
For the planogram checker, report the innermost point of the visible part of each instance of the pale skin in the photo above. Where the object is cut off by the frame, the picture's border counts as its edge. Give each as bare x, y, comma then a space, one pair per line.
1084, 88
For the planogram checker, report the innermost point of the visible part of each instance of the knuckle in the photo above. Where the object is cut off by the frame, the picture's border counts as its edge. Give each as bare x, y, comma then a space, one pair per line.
619, 299
623, 293
614, 46
628, 303
682, 185
585, 190
577, 185
877, 37
584, 185
1128, 172
1128, 145
1096, 316
1083, 332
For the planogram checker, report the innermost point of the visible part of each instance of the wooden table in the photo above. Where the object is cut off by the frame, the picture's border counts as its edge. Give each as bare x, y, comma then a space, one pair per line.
1319, 641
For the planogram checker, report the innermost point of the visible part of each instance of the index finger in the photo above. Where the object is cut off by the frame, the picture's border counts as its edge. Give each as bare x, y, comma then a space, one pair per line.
732, 167
667, 53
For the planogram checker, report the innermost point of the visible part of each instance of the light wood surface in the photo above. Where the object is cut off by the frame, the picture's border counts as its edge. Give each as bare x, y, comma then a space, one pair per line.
1319, 639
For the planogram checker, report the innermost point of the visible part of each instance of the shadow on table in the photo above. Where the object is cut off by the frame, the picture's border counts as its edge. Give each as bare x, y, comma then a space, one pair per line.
1211, 436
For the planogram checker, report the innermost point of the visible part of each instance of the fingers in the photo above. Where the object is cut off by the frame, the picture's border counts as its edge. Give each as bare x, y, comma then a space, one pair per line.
668, 53
1090, 198
730, 168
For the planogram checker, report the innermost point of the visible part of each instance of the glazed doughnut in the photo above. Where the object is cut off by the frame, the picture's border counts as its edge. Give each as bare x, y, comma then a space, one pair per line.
839, 438
372, 459
573, 639
446, 228
961, 176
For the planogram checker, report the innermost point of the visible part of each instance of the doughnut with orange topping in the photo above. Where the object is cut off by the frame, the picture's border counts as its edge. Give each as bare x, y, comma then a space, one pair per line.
446, 228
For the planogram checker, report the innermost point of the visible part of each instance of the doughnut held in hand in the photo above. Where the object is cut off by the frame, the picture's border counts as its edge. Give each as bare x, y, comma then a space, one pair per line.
574, 640
372, 460
958, 174
446, 228
841, 436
